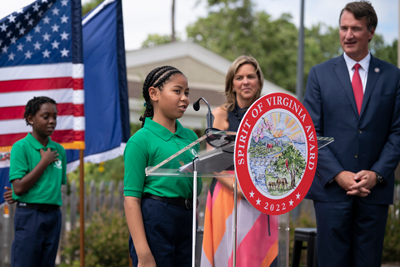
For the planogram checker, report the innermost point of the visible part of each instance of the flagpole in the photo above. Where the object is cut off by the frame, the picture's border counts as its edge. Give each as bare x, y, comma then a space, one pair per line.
82, 207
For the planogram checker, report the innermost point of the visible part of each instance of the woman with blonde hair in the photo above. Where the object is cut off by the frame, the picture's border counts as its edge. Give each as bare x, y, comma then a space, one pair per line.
257, 233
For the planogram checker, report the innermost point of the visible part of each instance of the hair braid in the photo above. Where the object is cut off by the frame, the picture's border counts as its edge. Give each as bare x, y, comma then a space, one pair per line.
156, 78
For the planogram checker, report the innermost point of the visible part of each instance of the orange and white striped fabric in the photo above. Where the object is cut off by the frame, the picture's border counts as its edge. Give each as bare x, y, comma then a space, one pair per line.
257, 232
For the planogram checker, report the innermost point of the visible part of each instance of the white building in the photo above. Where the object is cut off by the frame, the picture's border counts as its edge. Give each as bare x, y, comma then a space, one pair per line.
204, 69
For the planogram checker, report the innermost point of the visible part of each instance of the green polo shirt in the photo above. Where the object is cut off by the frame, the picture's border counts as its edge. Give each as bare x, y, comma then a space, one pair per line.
25, 155
149, 146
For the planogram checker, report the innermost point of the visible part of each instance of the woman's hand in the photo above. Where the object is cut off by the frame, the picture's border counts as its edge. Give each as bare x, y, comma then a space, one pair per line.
239, 190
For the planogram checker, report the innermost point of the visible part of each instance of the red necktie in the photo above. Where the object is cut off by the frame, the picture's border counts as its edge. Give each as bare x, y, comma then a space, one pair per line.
357, 87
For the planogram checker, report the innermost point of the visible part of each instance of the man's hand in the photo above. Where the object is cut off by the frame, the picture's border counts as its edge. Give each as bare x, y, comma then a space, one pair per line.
346, 180
8, 195
366, 179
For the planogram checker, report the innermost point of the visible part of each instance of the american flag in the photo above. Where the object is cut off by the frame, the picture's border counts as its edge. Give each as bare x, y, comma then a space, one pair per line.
41, 55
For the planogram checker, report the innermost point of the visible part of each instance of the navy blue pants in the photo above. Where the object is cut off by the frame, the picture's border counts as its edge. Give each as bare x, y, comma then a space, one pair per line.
168, 230
37, 234
350, 234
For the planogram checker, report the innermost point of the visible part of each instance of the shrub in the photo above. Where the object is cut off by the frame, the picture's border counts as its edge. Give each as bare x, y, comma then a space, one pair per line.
106, 241
112, 170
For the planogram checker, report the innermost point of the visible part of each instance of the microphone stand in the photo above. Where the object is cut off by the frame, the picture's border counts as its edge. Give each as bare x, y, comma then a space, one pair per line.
210, 121
210, 116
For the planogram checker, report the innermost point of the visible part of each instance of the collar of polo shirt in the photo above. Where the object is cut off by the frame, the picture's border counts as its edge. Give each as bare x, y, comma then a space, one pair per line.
37, 145
163, 132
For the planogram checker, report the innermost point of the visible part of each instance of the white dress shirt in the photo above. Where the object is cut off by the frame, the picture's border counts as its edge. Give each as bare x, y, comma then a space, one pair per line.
363, 71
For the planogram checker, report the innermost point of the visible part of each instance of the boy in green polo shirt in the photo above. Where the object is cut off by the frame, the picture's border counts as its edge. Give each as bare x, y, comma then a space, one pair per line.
37, 171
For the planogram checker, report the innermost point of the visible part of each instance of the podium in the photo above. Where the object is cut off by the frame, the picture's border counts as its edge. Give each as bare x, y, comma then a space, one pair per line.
212, 155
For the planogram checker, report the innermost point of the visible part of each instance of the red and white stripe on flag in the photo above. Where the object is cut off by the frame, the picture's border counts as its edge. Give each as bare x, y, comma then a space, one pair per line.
62, 82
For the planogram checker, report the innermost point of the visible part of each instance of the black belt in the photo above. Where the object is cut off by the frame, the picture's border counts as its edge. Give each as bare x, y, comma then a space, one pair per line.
41, 207
187, 203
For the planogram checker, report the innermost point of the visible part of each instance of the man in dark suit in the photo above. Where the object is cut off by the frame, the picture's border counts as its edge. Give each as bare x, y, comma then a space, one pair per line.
354, 98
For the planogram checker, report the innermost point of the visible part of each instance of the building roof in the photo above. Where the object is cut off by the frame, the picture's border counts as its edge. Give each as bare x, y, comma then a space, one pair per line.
204, 69
173, 51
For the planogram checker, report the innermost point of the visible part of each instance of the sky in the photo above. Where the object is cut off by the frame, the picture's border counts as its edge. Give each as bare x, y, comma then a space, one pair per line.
144, 17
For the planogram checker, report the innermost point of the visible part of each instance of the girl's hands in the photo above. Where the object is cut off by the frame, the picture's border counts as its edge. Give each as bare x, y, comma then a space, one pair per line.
147, 261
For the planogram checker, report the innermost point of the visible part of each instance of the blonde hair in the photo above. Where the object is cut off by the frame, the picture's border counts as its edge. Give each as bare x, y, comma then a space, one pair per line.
229, 93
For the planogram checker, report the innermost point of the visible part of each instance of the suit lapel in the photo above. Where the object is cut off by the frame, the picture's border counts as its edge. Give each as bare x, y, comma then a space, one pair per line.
342, 72
371, 81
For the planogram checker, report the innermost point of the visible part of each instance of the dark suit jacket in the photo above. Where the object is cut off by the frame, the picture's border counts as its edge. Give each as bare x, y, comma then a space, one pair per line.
370, 141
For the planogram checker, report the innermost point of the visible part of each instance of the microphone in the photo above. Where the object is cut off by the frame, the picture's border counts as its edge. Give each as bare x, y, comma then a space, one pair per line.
196, 105
210, 116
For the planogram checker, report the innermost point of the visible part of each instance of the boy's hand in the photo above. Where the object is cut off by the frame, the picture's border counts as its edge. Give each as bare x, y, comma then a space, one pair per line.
49, 156
8, 195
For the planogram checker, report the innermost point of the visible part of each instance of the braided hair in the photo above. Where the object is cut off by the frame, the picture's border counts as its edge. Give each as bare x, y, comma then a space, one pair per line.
33, 106
156, 78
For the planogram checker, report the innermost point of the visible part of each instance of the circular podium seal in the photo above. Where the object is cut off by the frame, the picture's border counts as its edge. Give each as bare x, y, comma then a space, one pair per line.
276, 153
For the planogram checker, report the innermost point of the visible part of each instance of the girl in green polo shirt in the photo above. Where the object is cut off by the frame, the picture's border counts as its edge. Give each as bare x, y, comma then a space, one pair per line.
159, 219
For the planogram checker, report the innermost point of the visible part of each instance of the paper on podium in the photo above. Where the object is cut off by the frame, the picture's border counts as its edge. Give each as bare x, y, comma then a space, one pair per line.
215, 160
208, 162
324, 141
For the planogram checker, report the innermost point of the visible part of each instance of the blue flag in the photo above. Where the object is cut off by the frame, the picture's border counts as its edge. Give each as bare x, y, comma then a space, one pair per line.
106, 93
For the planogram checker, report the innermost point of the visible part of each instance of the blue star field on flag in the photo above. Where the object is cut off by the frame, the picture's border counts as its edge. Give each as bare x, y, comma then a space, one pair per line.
39, 33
